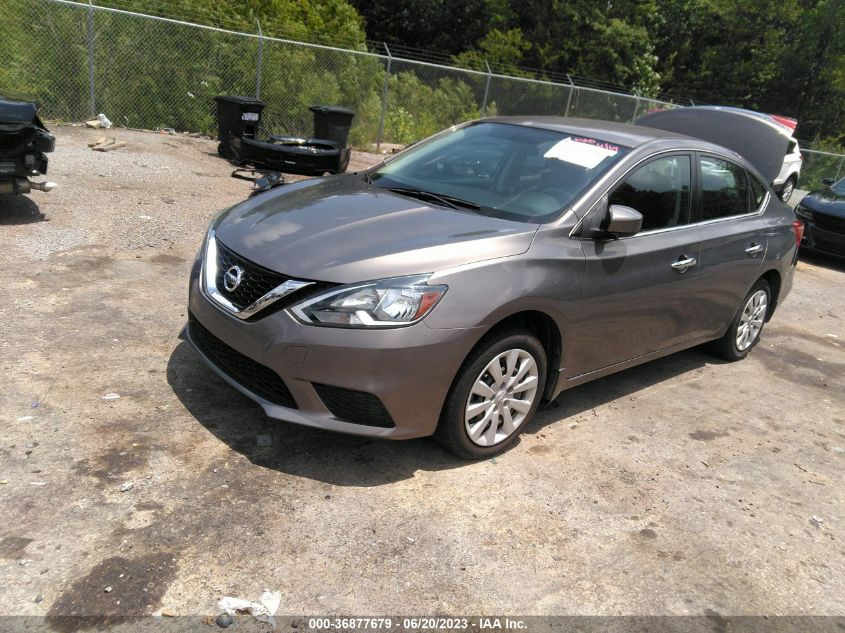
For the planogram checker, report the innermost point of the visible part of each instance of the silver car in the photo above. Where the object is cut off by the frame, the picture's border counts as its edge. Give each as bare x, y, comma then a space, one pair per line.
456, 286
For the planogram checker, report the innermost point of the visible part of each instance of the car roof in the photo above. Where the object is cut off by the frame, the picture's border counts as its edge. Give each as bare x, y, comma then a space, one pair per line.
625, 134
618, 133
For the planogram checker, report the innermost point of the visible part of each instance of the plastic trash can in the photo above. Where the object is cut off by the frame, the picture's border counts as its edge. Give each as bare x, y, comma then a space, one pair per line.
332, 123
238, 116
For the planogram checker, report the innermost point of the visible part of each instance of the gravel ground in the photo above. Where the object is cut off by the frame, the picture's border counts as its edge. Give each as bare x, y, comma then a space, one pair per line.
159, 191
684, 486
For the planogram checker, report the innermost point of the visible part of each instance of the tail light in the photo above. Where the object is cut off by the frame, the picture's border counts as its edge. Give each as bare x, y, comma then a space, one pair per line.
798, 227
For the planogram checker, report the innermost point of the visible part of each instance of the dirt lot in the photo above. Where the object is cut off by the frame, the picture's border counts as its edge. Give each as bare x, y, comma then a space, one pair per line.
685, 486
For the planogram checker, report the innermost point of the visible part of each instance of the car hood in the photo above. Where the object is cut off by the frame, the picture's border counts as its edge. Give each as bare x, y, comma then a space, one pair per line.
826, 201
341, 229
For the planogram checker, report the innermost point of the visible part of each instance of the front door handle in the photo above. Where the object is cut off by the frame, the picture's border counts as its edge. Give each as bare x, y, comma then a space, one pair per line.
684, 263
754, 250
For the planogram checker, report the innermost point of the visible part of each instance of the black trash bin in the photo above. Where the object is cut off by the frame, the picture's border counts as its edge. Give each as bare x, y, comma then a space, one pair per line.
238, 116
332, 123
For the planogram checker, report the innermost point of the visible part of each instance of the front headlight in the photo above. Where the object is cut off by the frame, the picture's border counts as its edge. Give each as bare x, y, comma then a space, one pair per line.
376, 304
803, 212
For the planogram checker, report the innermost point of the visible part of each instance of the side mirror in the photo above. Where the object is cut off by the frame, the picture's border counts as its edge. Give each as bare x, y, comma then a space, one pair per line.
622, 221
827, 181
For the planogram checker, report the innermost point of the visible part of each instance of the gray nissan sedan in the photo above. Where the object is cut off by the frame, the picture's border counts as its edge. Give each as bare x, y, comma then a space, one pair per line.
453, 288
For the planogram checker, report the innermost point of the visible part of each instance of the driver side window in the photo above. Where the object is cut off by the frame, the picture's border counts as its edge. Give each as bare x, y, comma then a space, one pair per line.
659, 190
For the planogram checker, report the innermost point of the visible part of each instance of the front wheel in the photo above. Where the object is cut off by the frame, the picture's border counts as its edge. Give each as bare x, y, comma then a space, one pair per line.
744, 332
494, 396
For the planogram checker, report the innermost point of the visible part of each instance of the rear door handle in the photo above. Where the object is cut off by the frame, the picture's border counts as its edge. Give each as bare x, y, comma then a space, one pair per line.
754, 250
684, 263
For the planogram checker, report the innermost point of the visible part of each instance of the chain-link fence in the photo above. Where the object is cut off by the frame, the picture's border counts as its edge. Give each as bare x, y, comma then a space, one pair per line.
817, 165
151, 72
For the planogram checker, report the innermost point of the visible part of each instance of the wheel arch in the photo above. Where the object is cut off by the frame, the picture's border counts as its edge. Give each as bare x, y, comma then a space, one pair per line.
541, 325
774, 279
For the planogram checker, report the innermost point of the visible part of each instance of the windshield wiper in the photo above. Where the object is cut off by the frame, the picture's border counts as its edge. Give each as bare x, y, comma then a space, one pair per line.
444, 200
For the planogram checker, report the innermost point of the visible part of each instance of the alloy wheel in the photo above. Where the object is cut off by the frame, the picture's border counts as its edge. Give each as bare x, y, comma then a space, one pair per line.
788, 188
501, 397
751, 320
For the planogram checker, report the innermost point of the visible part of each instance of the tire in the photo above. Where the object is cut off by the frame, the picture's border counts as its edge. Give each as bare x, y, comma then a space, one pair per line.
788, 189
516, 351
221, 151
732, 346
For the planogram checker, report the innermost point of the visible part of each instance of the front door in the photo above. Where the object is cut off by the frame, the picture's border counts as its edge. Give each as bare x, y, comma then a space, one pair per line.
641, 294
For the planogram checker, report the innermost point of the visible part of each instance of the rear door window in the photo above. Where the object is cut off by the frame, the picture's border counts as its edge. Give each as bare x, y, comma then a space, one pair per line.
724, 189
659, 190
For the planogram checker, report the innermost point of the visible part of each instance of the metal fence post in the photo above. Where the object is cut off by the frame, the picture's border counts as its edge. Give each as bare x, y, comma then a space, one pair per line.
260, 63
383, 100
92, 104
636, 109
486, 88
571, 91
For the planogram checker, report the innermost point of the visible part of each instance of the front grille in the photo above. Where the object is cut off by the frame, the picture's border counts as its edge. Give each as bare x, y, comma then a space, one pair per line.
256, 282
258, 378
357, 407
829, 223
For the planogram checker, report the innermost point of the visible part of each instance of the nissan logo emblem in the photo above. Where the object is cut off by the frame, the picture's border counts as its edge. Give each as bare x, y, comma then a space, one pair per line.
232, 278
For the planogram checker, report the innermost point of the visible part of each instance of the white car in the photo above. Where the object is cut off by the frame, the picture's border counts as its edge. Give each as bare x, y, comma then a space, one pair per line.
787, 179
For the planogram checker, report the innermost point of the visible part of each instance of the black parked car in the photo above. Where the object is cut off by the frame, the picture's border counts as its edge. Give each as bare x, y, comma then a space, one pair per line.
823, 212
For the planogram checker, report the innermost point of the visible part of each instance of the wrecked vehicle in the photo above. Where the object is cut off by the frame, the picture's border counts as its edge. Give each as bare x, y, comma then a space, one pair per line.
454, 287
24, 143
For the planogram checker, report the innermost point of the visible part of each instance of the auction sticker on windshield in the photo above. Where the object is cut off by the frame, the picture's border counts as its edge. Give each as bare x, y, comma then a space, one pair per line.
586, 152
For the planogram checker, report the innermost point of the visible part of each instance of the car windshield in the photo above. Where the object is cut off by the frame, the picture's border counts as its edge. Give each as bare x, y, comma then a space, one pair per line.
839, 187
502, 170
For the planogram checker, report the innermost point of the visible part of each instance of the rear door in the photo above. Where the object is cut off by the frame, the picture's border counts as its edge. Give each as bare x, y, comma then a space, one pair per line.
642, 293
733, 236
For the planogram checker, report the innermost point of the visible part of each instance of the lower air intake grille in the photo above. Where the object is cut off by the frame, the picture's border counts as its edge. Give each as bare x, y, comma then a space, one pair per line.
357, 407
258, 378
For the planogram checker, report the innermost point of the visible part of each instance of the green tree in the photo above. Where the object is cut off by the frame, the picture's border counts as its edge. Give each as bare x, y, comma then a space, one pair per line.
502, 50
810, 84
608, 42
450, 26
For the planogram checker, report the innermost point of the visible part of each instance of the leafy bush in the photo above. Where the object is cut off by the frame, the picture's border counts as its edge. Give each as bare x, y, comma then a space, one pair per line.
416, 110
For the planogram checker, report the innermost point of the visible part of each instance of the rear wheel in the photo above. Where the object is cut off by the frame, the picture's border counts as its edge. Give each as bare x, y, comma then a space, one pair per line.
744, 332
494, 397
788, 189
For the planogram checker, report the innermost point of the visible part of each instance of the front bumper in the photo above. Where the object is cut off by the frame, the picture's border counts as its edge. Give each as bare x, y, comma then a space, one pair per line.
822, 239
408, 370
